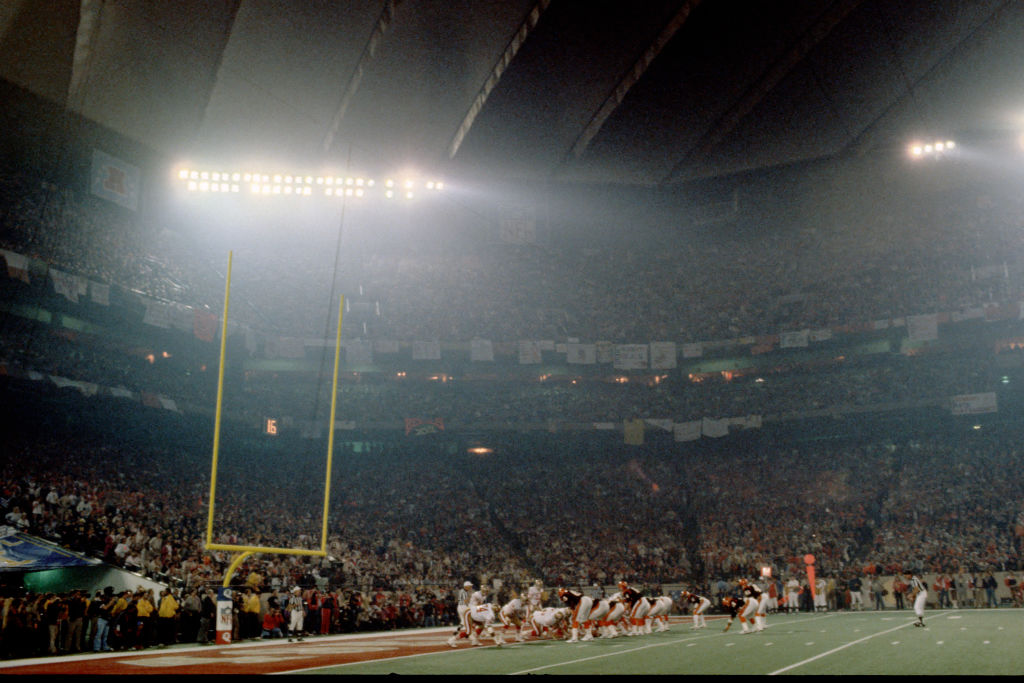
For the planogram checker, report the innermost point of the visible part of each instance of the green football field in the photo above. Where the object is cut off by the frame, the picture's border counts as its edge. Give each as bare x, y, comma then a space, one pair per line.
966, 642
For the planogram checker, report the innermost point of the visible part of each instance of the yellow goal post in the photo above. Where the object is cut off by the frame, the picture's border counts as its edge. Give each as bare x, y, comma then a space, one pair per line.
246, 550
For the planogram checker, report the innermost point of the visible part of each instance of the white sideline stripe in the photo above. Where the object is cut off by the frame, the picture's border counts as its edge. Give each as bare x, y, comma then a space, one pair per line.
842, 647
635, 649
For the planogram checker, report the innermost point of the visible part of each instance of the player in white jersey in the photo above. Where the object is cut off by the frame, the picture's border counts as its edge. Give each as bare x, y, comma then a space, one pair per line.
792, 595
660, 609
482, 618
919, 594
820, 596
513, 616
698, 605
550, 619
478, 597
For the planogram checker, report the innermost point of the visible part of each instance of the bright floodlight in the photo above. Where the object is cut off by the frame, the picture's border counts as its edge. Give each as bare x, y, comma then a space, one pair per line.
937, 148
294, 185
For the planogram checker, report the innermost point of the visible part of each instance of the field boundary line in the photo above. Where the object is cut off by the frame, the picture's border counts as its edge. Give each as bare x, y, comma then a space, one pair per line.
843, 647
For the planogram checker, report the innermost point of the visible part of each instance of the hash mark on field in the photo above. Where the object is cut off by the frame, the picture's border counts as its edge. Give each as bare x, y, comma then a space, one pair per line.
939, 642
811, 643
729, 644
690, 644
986, 642
895, 642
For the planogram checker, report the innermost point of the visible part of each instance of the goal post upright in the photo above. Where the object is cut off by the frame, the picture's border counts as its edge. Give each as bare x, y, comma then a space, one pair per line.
246, 550
220, 400
330, 424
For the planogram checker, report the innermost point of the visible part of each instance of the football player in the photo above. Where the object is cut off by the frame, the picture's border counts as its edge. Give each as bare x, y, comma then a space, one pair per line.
660, 609
698, 605
579, 605
739, 607
752, 590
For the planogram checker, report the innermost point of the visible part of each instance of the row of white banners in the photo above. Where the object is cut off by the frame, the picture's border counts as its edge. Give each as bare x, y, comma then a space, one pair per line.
710, 427
655, 355
153, 400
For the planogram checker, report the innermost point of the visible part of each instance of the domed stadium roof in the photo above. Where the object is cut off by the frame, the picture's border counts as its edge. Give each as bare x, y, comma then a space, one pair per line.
650, 93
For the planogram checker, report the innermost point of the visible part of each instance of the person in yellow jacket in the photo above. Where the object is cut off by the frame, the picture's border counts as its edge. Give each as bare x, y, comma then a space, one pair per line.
167, 618
250, 615
145, 622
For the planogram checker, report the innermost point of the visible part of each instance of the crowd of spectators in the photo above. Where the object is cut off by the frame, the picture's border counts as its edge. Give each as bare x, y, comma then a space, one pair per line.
409, 525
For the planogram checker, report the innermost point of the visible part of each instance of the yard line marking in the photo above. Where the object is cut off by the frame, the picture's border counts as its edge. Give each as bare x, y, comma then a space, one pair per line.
837, 649
644, 647
608, 654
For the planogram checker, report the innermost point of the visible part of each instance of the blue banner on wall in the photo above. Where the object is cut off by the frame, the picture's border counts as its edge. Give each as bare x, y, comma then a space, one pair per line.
23, 553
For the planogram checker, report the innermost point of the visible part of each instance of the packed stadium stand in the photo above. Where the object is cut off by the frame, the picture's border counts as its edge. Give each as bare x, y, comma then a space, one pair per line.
674, 406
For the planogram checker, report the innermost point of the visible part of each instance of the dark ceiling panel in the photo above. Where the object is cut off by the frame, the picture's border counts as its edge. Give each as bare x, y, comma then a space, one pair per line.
742, 84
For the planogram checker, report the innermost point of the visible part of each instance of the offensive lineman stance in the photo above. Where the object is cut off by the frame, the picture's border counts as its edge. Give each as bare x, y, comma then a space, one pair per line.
698, 605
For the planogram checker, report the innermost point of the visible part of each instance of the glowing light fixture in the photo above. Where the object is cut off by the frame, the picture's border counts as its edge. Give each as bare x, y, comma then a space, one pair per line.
197, 180
937, 148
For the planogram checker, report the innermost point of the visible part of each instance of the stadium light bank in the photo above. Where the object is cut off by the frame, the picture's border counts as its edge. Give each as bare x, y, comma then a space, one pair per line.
938, 148
294, 185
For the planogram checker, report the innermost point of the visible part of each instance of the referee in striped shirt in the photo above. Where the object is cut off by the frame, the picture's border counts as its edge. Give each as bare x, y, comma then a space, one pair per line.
919, 594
